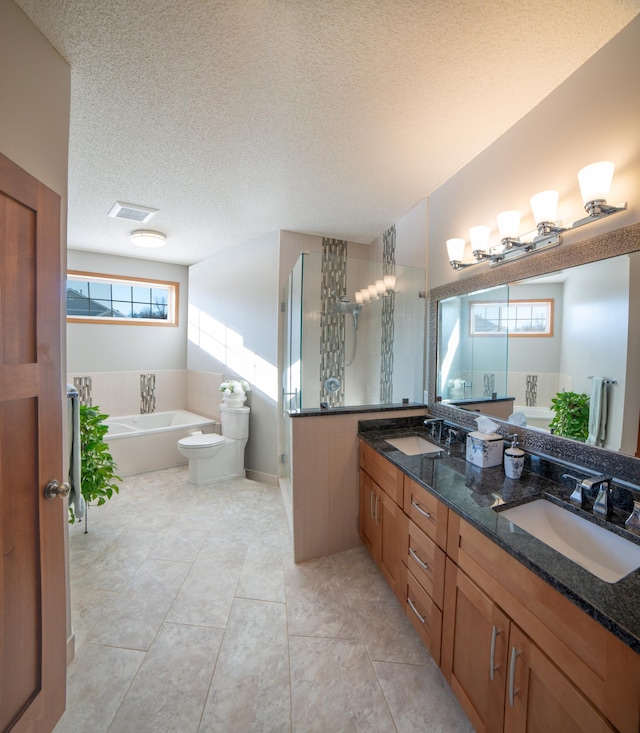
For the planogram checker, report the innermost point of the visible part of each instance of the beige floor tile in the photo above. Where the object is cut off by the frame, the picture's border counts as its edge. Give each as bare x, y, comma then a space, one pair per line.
250, 688
334, 688
262, 576
172, 577
134, 617
420, 700
316, 605
97, 681
169, 692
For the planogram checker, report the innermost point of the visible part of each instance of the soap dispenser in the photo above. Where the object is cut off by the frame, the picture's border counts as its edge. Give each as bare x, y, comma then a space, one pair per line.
513, 459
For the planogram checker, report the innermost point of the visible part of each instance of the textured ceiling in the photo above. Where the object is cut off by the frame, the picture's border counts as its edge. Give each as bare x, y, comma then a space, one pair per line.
320, 116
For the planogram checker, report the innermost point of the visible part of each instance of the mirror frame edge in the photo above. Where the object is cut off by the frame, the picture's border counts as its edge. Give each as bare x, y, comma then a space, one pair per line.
603, 246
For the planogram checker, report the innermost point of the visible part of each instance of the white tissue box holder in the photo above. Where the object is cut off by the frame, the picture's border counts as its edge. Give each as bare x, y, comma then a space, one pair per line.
484, 449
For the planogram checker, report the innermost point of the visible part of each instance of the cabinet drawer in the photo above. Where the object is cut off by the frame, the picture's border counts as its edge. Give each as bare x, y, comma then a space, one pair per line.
426, 561
385, 474
605, 670
426, 511
425, 616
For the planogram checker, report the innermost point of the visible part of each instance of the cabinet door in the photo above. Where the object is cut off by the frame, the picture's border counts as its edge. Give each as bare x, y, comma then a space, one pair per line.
540, 698
393, 529
369, 525
474, 650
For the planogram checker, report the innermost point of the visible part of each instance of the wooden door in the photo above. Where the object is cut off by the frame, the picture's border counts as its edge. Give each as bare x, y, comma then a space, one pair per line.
32, 572
540, 698
474, 650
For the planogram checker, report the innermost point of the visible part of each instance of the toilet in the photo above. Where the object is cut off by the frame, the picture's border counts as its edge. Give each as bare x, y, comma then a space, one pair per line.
215, 457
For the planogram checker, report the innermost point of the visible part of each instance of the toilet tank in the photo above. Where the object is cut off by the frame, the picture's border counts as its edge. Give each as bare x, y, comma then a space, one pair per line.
235, 422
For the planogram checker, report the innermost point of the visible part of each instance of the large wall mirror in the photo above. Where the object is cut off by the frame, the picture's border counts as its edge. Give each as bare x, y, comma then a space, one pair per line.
524, 331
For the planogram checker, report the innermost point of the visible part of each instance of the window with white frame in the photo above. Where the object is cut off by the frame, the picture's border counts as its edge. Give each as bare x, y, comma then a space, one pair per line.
512, 318
98, 298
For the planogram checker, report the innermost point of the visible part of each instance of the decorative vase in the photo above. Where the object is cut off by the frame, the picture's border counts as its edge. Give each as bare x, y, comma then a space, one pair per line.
235, 399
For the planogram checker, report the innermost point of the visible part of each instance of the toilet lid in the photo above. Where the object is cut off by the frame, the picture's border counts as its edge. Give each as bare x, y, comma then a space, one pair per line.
204, 440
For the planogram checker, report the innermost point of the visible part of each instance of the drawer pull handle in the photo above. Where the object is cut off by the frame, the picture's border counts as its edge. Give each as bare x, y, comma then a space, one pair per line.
423, 565
512, 674
377, 516
371, 495
415, 610
420, 509
492, 657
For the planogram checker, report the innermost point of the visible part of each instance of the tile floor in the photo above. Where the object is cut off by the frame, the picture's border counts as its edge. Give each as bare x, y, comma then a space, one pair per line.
190, 617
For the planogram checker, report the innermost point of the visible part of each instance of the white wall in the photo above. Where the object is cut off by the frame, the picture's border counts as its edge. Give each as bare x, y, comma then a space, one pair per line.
596, 308
234, 315
99, 347
592, 116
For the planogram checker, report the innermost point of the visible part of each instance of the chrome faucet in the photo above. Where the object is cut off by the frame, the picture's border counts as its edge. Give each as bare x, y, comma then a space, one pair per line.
431, 422
452, 434
634, 517
602, 505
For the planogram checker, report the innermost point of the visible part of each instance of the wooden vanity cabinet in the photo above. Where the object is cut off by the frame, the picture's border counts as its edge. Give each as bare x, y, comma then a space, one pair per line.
520, 656
383, 525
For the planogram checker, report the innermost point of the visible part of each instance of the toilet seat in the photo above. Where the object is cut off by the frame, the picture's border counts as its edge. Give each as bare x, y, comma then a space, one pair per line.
203, 440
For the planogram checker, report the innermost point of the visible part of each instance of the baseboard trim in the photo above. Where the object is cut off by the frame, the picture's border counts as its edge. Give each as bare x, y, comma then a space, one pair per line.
262, 477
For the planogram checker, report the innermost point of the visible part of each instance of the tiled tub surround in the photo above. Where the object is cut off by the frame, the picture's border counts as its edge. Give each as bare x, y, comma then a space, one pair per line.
471, 492
118, 393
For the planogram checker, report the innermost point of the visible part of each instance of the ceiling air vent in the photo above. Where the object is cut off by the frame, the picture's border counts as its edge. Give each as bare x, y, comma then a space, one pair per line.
132, 212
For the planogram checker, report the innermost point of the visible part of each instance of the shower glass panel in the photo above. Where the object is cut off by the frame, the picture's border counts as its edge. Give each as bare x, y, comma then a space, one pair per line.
367, 359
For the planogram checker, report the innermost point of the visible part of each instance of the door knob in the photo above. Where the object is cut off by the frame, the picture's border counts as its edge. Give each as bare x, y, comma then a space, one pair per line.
54, 488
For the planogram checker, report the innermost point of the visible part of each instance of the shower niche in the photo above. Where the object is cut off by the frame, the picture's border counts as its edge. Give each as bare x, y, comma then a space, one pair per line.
341, 353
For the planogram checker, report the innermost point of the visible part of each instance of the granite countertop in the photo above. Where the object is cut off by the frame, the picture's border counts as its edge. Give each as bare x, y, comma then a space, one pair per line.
354, 410
472, 493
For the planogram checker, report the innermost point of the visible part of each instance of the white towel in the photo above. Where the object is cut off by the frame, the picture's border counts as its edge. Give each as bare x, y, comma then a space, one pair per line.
597, 412
76, 500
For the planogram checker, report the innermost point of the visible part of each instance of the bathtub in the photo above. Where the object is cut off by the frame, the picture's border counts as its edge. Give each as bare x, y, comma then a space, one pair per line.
141, 443
537, 417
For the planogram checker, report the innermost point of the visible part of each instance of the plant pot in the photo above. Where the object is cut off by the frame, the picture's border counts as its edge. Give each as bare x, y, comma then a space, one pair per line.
235, 399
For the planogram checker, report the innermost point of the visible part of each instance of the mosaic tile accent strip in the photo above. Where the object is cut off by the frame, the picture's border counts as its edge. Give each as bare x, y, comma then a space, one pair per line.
147, 393
489, 385
388, 312
531, 390
332, 328
84, 386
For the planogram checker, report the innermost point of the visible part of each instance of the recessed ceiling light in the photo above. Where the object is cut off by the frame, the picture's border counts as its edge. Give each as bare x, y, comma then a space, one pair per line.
148, 238
132, 212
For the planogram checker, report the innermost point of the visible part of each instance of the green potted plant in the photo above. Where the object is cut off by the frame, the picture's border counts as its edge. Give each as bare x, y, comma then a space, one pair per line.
98, 469
571, 415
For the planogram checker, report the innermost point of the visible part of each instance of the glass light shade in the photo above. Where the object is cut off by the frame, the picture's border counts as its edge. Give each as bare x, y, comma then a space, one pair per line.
365, 295
595, 181
148, 238
358, 297
479, 237
509, 224
544, 206
389, 282
455, 249
380, 287
373, 292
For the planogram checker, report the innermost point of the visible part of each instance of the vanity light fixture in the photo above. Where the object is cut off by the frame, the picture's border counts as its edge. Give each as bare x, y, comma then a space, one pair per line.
595, 183
389, 282
148, 238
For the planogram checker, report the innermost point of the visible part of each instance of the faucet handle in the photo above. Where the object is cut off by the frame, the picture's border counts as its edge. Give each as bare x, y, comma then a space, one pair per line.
634, 517
602, 505
578, 491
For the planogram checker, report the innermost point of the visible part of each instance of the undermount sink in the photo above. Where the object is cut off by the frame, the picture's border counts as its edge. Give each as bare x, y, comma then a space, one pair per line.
604, 554
413, 445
